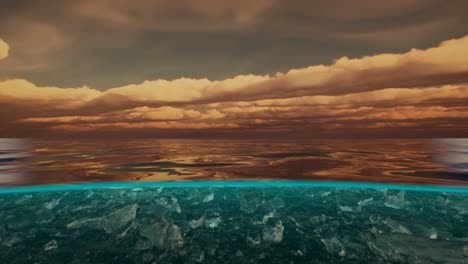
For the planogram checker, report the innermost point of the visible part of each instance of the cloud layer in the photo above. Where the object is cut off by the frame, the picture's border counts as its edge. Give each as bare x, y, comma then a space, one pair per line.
111, 43
414, 91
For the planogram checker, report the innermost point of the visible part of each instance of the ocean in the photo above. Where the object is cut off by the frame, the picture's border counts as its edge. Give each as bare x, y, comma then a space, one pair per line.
233, 201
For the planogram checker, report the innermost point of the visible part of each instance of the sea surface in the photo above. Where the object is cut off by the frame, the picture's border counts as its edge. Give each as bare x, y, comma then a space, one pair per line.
418, 161
233, 201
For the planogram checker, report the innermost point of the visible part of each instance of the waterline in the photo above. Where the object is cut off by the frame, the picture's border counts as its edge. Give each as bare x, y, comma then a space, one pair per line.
237, 184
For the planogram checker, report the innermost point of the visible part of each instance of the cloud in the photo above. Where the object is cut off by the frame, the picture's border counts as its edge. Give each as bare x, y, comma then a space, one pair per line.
4, 48
441, 65
183, 90
412, 90
143, 125
447, 95
160, 113
38, 46
282, 17
411, 113
212, 114
109, 43
22, 91
62, 119
162, 14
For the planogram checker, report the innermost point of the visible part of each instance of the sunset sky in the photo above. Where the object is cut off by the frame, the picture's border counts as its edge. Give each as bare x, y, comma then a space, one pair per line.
265, 68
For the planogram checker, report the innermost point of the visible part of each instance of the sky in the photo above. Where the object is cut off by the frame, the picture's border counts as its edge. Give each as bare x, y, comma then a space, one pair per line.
210, 68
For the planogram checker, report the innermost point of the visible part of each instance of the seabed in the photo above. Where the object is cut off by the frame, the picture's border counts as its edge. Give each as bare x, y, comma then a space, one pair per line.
234, 222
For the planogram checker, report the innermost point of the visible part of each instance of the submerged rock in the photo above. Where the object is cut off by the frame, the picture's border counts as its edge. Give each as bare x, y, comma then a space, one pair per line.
212, 222
88, 222
433, 233
119, 218
50, 205
333, 245
363, 203
345, 208
51, 245
254, 241
163, 235
249, 202
170, 203
273, 231
208, 198
239, 225
396, 227
110, 223
403, 248
196, 223
395, 201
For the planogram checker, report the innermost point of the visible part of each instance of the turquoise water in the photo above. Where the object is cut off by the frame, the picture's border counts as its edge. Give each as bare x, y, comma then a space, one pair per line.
251, 184
233, 222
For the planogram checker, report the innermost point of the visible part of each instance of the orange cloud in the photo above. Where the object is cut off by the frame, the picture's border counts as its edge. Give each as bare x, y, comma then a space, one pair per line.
387, 124
18, 91
412, 112
3, 49
62, 119
144, 125
368, 92
392, 96
441, 65
212, 114
161, 113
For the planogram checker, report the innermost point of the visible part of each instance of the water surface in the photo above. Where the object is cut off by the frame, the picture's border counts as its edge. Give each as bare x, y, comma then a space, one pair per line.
419, 161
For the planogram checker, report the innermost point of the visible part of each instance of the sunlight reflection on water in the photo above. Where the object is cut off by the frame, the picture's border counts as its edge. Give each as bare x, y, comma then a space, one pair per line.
48, 161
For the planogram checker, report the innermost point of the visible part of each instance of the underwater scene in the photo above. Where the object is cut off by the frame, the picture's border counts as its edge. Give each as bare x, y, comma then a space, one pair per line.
329, 201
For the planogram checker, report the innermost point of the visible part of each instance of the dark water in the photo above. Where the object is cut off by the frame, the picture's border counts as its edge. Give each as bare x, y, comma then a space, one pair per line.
254, 223
380, 201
